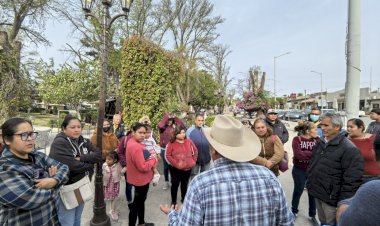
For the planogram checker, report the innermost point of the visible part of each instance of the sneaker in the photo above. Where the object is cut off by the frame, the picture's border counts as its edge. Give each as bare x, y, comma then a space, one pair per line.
295, 215
313, 221
166, 186
155, 179
115, 215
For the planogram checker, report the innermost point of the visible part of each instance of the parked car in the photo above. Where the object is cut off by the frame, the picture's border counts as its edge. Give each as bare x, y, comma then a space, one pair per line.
281, 113
330, 110
295, 115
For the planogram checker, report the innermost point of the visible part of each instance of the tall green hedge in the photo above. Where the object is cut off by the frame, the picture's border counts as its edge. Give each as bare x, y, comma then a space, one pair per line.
148, 75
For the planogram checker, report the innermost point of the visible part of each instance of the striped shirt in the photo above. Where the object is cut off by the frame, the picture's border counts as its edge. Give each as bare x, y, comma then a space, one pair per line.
21, 202
234, 193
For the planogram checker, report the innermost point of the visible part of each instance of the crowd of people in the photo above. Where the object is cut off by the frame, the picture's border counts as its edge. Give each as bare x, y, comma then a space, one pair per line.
339, 168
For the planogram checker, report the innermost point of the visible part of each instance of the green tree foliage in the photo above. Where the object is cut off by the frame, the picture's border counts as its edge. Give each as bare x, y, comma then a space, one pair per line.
69, 85
148, 75
14, 87
203, 90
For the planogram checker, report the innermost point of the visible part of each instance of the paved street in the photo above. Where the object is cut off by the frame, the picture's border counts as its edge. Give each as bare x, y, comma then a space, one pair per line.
157, 196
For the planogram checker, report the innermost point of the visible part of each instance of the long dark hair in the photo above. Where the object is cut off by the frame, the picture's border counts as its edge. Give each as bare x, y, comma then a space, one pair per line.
177, 131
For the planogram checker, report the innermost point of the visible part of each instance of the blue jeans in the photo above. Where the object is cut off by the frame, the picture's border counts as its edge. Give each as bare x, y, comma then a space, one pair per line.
299, 177
69, 217
166, 165
128, 189
199, 168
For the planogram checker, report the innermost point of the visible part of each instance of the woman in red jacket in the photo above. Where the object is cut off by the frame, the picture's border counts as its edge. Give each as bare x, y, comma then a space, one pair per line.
181, 154
364, 142
303, 146
139, 169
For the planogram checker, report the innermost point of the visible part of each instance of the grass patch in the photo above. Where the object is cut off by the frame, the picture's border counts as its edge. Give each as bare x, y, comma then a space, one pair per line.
39, 119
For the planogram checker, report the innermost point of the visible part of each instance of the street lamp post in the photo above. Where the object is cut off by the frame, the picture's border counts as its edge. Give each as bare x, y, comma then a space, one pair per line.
320, 74
274, 73
100, 217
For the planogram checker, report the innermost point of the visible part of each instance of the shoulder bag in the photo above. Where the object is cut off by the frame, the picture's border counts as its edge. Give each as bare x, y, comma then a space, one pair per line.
73, 195
283, 164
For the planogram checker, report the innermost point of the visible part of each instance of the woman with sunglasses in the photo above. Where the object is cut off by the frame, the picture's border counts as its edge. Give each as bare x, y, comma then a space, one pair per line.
29, 180
69, 147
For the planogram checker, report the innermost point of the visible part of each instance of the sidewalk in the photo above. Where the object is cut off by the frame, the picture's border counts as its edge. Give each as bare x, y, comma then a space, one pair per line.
157, 195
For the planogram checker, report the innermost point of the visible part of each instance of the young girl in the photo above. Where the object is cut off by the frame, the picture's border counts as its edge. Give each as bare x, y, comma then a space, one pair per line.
181, 154
112, 172
152, 149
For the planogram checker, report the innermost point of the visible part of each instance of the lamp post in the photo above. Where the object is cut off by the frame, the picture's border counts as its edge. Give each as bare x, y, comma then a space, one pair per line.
100, 217
274, 73
320, 74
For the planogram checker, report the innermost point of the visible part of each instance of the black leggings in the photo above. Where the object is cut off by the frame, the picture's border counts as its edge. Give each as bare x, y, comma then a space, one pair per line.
179, 176
138, 205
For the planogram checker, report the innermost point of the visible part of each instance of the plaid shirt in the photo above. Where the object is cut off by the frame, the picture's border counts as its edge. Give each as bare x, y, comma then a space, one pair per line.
234, 194
21, 202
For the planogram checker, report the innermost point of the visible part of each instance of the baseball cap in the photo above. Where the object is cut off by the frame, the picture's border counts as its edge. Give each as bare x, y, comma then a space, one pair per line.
271, 111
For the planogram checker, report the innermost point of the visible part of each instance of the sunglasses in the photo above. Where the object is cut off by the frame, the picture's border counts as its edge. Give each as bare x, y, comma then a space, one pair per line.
26, 135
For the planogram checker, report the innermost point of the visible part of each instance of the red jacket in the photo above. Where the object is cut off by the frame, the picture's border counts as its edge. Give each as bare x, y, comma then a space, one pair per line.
182, 156
139, 170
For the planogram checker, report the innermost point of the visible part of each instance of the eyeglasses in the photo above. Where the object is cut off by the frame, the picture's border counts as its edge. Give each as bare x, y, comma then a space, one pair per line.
26, 135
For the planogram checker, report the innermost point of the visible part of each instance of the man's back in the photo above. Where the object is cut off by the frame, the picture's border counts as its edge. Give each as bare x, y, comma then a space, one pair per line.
234, 194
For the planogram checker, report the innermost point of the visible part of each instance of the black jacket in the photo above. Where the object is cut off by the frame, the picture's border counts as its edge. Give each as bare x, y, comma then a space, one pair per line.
335, 171
279, 129
64, 150
119, 131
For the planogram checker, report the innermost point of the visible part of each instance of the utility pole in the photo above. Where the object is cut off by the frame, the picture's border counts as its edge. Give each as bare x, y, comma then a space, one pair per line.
305, 99
352, 91
370, 80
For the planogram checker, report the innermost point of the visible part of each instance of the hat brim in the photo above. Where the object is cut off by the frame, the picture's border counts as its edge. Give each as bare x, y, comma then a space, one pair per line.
249, 149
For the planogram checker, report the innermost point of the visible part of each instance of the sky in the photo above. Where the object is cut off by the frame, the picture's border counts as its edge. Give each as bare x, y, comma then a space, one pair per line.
314, 31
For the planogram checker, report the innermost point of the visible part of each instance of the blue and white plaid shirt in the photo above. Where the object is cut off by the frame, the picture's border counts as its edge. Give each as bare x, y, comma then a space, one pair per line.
234, 193
21, 202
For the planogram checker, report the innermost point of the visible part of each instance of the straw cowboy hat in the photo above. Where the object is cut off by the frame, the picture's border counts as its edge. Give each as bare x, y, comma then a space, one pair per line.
233, 140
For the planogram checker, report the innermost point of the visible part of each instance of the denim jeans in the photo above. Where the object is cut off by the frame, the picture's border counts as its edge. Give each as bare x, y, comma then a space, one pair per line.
166, 165
299, 177
69, 217
128, 189
199, 168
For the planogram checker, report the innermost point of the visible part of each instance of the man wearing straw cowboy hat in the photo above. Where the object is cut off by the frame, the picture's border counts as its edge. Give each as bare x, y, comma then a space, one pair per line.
234, 192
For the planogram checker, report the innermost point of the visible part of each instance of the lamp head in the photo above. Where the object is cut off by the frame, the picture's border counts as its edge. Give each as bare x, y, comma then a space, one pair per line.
126, 5
87, 5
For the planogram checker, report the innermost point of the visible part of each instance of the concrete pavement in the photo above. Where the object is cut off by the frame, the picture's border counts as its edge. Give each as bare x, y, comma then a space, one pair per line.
157, 196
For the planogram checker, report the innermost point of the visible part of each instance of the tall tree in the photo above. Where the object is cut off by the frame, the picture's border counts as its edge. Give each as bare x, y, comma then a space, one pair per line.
69, 85
21, 21
216, 64
193, 29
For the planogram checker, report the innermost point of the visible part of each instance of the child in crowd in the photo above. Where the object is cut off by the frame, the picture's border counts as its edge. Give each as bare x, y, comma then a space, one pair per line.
152, 150
112, 172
